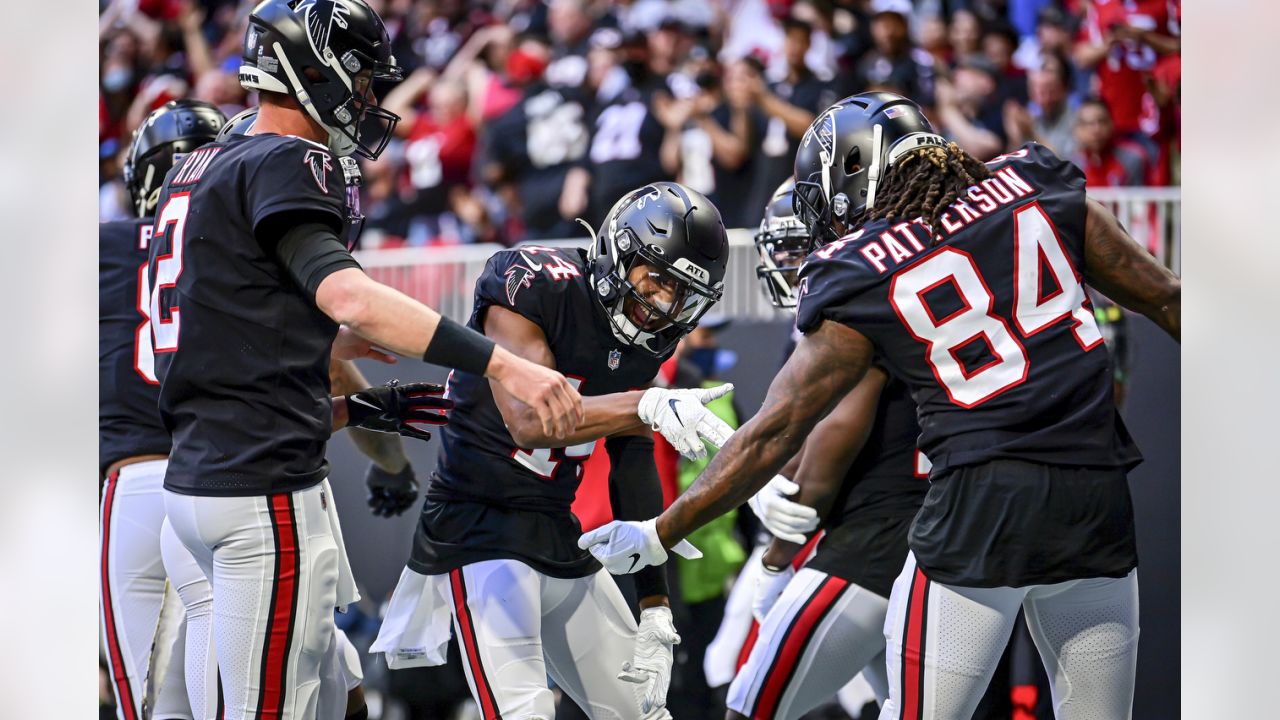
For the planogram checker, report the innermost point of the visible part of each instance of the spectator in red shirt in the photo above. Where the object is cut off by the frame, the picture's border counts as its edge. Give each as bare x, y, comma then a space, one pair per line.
1122, 40
1106, 162
438, 149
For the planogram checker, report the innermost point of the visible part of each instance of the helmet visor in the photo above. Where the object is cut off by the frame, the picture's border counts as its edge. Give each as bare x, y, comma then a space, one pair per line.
659, 299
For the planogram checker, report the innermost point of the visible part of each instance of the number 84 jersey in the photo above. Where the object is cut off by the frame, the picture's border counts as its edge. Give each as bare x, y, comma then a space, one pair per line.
989, 323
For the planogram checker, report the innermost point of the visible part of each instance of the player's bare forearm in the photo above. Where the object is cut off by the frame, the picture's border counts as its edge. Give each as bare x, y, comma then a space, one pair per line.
828, 453
827, 363
780, 553
386, 450
603, 415
1124, 271
386, 317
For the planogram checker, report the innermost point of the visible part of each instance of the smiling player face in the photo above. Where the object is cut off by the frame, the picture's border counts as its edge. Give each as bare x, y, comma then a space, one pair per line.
658, 289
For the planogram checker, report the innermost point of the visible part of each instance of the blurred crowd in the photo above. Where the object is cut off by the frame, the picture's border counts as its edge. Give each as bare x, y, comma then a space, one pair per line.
519, 116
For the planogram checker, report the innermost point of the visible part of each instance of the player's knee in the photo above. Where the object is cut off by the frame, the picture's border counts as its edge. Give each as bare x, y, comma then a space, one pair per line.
734, 715
361, 713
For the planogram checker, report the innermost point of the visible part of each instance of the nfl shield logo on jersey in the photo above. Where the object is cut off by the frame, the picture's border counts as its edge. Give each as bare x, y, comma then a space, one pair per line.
615, 358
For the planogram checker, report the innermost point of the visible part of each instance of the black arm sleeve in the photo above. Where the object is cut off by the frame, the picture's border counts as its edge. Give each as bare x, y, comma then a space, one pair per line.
635, 493
311, 252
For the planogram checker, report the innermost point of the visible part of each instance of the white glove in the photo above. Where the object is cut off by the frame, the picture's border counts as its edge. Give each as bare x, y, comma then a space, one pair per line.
625, 546
651, 663
683, 420
786, 519
769, 587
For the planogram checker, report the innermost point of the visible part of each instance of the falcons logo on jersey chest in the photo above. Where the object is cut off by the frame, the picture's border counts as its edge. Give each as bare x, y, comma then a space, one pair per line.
518, 276
320, 165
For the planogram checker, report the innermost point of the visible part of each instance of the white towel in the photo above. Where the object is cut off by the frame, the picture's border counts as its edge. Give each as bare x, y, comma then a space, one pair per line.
417, 626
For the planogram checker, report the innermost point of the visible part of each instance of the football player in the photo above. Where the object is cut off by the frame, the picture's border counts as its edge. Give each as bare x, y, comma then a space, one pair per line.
860, 470
965, 280
133, 445
496, 548
250, 282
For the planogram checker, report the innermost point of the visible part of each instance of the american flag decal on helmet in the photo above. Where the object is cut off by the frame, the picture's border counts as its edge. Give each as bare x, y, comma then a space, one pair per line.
518, 276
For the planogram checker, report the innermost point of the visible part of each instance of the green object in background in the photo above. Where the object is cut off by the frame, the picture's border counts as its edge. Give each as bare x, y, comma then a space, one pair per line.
722, 555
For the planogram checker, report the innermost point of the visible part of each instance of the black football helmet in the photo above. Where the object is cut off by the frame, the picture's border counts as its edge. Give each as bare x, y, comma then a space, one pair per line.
239, 124
169, 132
845, 153
325, 54
782, 242
678, 234
243, 121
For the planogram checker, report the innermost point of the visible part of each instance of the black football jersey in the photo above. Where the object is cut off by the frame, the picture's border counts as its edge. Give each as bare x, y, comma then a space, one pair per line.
128, 419
242, 351
990, 327
624, 148
866, 531
536, 142
489, 498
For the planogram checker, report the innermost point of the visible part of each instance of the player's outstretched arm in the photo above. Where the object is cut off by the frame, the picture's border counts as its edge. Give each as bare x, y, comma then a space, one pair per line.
826, 365
392, 320
828, 453
1124, 271
602, 414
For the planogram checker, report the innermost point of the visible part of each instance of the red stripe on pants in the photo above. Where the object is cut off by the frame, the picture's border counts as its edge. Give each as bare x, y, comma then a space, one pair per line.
752, 635
488, 704
119, 678
913, 649
284, 595
793, 645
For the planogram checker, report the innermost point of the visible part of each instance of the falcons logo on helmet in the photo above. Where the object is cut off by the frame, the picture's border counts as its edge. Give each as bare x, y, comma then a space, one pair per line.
321, 164
518, 276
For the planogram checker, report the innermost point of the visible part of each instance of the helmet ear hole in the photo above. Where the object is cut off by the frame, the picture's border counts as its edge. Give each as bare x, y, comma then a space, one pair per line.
853, 161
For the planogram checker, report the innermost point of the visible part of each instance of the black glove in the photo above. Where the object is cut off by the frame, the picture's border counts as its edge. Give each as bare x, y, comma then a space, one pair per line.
394, 408
391, 494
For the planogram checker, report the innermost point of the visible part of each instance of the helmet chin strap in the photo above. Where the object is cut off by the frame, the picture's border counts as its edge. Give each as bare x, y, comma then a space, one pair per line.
873, 173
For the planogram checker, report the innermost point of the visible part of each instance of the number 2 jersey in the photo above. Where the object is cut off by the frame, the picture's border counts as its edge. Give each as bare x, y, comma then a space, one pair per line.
488, 498
990, 327
242, 351
128, 420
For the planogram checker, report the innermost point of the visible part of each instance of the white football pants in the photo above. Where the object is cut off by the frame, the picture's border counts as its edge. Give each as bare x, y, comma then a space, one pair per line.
131, 587
944, 642
822, 631
272, 564
516, 627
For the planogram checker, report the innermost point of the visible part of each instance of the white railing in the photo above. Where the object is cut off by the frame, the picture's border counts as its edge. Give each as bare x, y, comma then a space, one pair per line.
1153, 215
445, 277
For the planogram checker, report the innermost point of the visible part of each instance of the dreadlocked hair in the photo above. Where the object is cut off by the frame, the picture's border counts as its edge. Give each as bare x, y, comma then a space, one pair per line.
924, 183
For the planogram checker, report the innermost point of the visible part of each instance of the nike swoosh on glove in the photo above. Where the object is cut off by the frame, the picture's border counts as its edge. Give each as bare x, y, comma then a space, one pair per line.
785, 518
624, 546
651, 661
395, 408
681, 417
